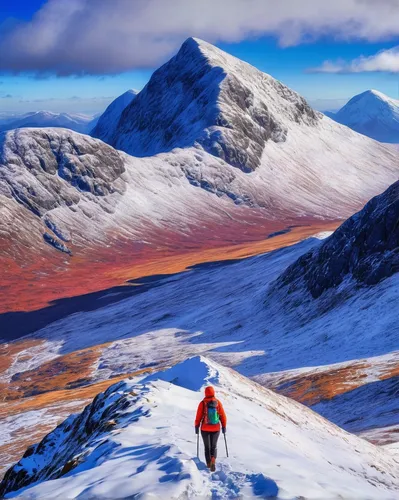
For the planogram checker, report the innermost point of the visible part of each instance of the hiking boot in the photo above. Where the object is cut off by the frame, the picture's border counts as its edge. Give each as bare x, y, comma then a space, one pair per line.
213, 464
208, 464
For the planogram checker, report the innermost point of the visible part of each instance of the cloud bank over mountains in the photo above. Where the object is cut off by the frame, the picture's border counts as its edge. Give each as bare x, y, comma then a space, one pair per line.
383, 61
103, 37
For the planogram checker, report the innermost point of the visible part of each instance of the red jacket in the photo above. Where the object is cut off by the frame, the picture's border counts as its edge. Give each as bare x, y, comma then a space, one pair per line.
199, 419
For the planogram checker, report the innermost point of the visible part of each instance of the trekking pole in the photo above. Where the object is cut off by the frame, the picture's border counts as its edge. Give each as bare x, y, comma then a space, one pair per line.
198, 446
225, 442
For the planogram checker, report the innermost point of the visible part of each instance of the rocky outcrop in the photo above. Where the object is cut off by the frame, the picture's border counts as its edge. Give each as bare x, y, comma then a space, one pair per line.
47, 169
363, 250
64, 448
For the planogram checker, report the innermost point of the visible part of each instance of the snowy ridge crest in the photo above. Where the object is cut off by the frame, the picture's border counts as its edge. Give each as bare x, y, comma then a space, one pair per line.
194, 374
136, 440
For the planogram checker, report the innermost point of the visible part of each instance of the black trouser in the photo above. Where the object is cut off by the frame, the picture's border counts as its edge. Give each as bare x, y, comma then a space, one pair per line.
210, 443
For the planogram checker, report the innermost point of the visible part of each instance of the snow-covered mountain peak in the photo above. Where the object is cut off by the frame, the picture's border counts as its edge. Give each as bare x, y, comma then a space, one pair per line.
195, 48
108, 121
372, 113
372, 97
136, 440
378, 94
207, 98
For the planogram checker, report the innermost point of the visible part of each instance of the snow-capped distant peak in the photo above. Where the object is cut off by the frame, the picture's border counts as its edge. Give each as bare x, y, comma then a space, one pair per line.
372, 113
372, 96
37, 119
108, 121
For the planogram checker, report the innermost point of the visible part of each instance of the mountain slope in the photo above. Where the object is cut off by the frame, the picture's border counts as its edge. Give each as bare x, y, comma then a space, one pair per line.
250, 159
108, 121
76, 122
373, 114
234, 313
296, 157
137, 439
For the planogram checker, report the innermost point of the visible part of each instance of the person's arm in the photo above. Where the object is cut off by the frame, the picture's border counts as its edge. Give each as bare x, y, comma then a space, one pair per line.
199, 416
223, 418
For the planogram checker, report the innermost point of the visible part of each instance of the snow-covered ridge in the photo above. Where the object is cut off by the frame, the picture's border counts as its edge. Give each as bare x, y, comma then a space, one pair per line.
137, 439
107, 122
373, 114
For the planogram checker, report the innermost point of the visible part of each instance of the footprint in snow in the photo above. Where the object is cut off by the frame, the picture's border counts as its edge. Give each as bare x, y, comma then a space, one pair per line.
232, 483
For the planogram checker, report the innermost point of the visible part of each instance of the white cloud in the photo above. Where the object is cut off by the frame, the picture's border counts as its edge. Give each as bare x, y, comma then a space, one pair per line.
110, 36
383, 61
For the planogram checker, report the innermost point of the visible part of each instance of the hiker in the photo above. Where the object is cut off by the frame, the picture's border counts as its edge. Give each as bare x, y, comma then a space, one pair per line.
210, 415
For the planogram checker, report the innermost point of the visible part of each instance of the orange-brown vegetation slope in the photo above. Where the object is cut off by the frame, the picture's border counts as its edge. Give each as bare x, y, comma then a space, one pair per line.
30, 280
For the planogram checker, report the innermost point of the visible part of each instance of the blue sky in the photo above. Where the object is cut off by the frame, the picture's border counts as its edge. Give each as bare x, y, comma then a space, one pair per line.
30, 90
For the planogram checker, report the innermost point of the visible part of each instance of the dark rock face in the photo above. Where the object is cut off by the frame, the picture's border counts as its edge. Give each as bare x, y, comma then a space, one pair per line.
365, 248
63, 449
204, 97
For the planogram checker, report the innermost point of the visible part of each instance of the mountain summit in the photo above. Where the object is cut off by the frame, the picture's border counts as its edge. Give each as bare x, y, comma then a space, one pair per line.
207, 97
373, 114
293, 158
108, 121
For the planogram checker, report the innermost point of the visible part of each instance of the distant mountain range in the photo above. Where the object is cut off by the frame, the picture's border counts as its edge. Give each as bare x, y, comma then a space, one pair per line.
77, 122
373, 114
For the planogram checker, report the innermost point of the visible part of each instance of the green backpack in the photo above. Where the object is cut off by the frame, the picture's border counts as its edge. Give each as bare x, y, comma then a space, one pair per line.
211, 412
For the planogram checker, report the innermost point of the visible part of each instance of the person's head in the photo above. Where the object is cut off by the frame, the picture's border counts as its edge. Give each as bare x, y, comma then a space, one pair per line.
209, 392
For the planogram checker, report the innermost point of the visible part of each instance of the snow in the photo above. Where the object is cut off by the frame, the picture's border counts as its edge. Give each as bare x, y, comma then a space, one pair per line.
191, 374
316, 168
277, 447
209, 100
373, 114
225, 312
81, 189
108, 121
29, 359
74, 121
191, 311
372, 406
